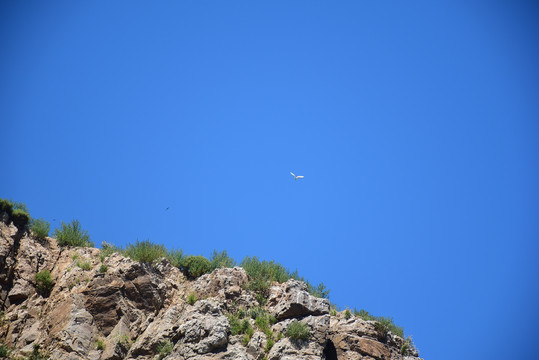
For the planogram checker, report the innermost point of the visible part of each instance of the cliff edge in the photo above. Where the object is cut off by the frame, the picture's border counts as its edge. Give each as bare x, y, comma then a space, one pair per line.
87, 306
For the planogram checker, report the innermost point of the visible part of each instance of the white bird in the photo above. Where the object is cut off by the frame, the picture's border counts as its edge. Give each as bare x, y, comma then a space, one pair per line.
296, 177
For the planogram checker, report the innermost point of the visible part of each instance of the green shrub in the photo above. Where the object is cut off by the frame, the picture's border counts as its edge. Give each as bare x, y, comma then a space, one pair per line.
107, 250
319, 291
381, 331
404, 349
262, 322
164, 348
384, 324
20, 218
40, 228
175, 257
145, 251
248, 334
72, 235
388, 323
196, 266
125, 341
298, 330
263, 273
84, 265
17, 205
44, 282
37, 355
238, 327
407, 346
4, 351
265, 270
364, 314
191, 299
234, 322
261, 289
103, 268
6, 206
221, 260
257, 312
100, 344
245, 340
269, 344
242, 313
17, 211
347, 314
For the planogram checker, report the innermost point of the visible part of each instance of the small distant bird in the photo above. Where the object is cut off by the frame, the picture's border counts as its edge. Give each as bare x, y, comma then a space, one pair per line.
167, 208
297, 177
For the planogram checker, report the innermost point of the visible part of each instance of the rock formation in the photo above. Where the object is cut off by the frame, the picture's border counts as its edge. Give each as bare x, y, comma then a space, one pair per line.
121, 309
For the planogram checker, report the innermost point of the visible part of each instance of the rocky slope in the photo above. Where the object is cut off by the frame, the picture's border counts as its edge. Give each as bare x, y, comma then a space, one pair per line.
141, 311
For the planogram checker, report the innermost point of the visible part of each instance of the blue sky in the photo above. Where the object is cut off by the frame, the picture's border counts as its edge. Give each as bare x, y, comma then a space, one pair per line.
415, 125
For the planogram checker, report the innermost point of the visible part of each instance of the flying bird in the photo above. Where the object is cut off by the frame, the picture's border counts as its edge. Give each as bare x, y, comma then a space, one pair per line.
167, 208
297, 177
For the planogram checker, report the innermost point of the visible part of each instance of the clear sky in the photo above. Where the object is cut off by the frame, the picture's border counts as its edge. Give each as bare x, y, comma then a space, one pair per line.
415, 124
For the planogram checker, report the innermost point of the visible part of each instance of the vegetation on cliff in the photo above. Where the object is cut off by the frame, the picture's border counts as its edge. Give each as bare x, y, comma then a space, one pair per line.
262, 273
16, 211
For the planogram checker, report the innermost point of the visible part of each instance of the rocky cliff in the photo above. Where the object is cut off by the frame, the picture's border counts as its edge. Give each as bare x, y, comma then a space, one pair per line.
114, 308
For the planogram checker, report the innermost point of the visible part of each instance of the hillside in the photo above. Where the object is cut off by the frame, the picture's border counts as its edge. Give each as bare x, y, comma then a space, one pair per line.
105, 306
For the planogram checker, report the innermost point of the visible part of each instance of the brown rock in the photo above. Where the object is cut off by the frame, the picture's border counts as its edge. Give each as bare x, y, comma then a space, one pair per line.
103, 299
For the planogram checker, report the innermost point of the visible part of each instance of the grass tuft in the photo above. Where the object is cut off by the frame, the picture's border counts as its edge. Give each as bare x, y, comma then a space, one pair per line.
384, 324
4, 351
100, 344
84, 265
145, 251
44, 282
192, 299
164, 348
298, 330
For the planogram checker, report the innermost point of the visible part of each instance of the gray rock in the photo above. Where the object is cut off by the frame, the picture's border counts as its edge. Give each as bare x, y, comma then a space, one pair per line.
79, 332
256, 345
291, 299
204, 329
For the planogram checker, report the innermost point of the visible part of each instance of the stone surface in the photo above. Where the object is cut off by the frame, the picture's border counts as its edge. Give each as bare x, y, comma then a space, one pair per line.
355, 336
291, 299
132, 308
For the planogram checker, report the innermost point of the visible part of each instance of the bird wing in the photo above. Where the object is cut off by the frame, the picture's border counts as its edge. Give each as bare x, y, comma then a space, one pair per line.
292, 174
300, 177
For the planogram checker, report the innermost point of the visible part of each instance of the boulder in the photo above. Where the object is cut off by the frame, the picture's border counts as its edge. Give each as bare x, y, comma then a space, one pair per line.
292, 299
204, 329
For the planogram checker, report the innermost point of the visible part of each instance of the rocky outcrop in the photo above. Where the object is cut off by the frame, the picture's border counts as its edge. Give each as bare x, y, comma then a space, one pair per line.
121, 309
355, 338
292, 299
